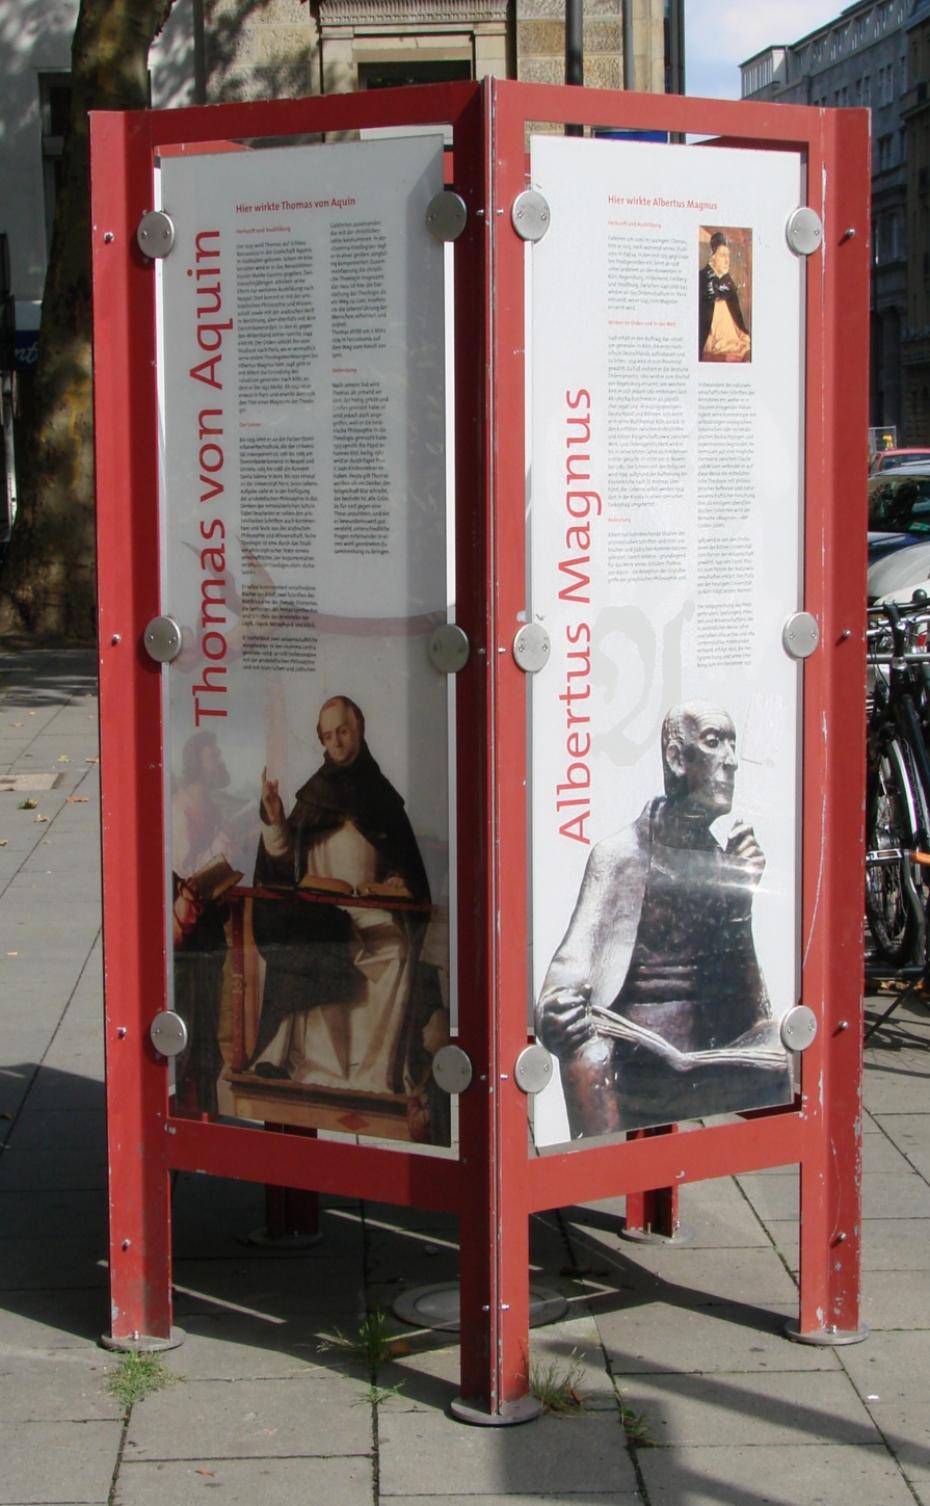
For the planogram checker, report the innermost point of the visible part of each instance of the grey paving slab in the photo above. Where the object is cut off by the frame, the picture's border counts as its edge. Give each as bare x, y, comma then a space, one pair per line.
884, 1195
324, 1295
66, 1262
52, 1169
234, 1346
57, 1461
902, 1085
41, 1319
553, 1455
790, 1409
251, 1419
773, 1476
703, 1277
58, 1088
893, 1378
659, 1336
246, 1482
896, 1299
37, 1128
714, 1213
563, 1498
62, 1385
55, 1215
888, 1244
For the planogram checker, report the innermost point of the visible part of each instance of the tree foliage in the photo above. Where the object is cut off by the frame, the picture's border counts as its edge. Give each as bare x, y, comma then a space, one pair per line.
47, 588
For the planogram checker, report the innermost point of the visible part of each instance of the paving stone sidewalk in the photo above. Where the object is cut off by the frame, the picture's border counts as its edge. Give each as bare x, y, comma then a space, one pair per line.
693, 1397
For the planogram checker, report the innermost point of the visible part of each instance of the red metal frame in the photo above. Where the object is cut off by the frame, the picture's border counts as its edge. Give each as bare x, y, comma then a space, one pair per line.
496, 1185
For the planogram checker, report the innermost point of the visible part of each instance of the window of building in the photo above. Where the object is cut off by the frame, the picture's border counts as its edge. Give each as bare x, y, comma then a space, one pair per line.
395, 74
54, 113
867, 91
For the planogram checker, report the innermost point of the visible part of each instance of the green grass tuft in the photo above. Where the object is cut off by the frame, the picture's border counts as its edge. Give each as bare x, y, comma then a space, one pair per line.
555, 1386
136, 1376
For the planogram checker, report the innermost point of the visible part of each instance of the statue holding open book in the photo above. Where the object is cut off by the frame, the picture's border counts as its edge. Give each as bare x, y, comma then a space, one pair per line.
654, 1002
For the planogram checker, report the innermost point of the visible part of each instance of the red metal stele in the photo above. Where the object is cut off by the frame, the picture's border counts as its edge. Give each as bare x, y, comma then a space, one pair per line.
497, 1183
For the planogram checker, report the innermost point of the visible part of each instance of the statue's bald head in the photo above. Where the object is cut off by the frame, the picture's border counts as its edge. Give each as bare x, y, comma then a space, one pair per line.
699, 755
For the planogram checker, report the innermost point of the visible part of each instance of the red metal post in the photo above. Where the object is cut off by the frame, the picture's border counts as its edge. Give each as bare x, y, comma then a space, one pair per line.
837, 418
130, 741
652, 1214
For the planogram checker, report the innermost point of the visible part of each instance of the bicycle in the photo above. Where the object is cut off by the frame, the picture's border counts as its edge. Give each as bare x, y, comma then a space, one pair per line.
898, 782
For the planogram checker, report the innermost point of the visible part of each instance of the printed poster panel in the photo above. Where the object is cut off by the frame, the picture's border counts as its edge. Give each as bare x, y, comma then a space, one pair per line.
665, 542
304, 506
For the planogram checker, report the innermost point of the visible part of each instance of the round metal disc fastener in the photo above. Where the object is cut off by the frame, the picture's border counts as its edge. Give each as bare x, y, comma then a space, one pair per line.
804, 231
530, 215
798, 1028
452, 1069
448, 649
446, 215
168, 1033
800, 635
531, 647
155, 233
533, 1069
162, 639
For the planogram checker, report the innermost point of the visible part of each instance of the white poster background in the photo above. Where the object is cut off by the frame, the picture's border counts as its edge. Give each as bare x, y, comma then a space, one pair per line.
301, 369
685, 561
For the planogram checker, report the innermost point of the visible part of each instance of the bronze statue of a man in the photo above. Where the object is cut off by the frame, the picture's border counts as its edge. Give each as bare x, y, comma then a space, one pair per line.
654, 1003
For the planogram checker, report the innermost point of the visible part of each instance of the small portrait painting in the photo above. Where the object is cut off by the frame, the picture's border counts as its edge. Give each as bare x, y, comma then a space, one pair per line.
724, 294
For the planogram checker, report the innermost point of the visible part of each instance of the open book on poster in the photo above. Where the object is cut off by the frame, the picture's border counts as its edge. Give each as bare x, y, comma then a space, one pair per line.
213, 880
322, 884
764, 1055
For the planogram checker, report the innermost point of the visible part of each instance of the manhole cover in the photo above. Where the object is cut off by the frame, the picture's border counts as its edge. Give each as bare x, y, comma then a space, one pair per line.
21, 784
438, 1306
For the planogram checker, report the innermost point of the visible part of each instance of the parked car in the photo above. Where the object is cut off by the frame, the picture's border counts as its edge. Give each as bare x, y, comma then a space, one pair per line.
889, 460
896, 576
899, 509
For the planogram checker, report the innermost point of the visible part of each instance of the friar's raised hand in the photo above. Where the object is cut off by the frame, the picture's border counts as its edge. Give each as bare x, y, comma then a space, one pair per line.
272, 807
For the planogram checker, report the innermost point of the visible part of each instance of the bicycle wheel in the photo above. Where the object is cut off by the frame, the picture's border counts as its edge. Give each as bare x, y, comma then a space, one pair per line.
895, 813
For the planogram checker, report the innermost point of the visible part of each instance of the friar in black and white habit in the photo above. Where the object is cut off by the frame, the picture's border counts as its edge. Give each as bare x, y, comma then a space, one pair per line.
347, 1001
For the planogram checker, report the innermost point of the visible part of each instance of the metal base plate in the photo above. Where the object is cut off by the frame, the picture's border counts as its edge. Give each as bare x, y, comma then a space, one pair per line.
681, 1236
510, 1413
826, 1338
437, 1307
142, 1343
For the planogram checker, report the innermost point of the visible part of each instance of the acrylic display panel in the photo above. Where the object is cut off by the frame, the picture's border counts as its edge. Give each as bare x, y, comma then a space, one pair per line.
304, 518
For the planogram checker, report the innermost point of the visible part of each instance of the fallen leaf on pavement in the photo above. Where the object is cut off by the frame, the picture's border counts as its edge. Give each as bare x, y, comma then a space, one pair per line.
27, 805
76, 799
210, 1473
63, 758
40, 817
92, 760
2, 841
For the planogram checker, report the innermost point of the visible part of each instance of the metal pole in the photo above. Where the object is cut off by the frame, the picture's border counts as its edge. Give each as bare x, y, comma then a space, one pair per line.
676, 47
574, 51
629, 71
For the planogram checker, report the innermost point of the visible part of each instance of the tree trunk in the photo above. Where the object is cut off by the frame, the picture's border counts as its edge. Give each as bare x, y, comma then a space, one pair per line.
47, 588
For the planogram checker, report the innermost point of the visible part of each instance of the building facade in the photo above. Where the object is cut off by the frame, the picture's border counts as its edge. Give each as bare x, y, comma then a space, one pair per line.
871, 57
214, 50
